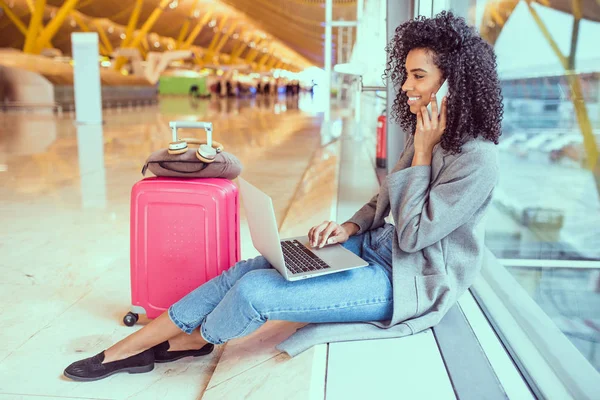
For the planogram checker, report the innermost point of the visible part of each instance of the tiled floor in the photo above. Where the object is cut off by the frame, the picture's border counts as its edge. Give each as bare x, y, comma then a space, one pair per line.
64, 237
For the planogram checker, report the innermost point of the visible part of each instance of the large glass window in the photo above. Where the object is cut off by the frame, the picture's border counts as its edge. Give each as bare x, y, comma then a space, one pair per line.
544, 225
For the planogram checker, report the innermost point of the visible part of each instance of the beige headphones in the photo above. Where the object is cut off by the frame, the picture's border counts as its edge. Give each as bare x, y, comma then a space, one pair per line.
207, 149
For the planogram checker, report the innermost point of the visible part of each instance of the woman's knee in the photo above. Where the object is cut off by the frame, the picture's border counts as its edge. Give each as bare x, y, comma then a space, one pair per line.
243, 267
252, 264
257, 286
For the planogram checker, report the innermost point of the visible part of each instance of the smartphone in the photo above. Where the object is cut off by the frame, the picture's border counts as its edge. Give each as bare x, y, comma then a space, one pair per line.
443, 91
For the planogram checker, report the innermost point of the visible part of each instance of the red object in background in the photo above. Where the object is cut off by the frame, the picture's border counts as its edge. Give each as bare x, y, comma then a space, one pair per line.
381, 154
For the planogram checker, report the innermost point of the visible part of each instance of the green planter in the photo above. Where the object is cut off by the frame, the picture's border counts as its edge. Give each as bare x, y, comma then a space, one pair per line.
180, 85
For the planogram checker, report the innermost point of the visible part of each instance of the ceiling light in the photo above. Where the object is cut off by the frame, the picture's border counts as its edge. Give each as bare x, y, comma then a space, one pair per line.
212, 23
73, 23
111, 29
196, 13
173, 4
156, 44
122, 36
236, 36
252, 44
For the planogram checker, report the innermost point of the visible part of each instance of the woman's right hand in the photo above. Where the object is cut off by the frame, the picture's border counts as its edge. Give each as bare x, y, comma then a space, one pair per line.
327, 232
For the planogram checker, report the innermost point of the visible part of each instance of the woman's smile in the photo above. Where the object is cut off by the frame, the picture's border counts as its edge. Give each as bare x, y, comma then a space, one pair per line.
412, 100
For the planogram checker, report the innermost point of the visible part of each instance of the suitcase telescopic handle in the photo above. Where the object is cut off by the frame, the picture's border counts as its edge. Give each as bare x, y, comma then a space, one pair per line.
207, 126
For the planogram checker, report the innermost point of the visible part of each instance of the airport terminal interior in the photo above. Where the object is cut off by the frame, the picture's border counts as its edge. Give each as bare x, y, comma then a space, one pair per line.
294, 90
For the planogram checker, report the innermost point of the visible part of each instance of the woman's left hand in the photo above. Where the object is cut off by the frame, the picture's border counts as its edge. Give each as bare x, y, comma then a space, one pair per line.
430, 130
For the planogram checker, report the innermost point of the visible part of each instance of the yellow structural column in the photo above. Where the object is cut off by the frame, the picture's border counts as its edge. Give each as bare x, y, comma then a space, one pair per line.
253, 53
35, 25
264, 58
131, 25
236, 48
50, 30
225, 37
149, 23
238, 51
210, 51
80, 22
589, 141
184, 30
144, 47
103, 38
272, 63
14, 18
133, 20
196, 31
198, 56
186, 25
263, 61
134, 42
83, 26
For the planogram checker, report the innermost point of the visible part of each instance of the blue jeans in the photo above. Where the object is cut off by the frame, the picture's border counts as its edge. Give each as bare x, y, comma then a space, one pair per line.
243, 298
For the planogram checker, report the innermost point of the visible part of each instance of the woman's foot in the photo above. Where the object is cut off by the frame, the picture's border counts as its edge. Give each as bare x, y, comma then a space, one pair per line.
163, 355
181, 346
94, 368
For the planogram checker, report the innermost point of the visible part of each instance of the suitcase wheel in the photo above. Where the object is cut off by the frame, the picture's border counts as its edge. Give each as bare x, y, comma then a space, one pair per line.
130, 319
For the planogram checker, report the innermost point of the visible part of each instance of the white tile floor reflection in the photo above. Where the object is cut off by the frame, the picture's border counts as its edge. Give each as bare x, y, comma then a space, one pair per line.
64, 236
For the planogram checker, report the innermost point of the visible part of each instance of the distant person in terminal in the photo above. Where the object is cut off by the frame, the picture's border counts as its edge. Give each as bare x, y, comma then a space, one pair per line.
437, 195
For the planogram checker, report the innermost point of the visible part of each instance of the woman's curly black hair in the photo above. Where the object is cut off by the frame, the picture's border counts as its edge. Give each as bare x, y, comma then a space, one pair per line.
466, 61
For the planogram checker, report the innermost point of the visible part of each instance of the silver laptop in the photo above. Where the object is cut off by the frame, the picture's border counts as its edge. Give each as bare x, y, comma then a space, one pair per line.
294, 258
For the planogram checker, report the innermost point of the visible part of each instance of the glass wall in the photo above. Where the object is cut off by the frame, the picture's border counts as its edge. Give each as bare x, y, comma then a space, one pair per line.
544, 225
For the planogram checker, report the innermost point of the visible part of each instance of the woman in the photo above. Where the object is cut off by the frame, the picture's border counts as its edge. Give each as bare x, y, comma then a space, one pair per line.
438, 194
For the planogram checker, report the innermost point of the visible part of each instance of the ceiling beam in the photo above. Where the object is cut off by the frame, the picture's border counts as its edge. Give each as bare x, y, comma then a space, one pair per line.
132, 23
149, 23
14, 18
272, 63
141, 34
103, 38
196, 31
215, 39
85, 28
35, 26
186, 25
54, 25
226, 36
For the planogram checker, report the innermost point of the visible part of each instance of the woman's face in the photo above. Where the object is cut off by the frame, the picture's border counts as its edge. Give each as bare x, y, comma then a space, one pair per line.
422, 79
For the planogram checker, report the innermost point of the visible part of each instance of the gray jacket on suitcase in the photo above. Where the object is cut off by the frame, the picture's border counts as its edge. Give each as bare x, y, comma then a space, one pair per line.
439, 243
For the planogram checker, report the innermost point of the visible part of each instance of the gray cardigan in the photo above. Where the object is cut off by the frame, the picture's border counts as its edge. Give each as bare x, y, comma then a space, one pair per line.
438, 248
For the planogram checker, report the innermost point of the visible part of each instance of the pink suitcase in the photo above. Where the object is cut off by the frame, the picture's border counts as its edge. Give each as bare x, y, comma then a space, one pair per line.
184, 232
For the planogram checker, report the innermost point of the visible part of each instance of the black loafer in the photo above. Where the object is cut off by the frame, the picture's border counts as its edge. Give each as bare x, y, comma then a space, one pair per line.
92, 369
163, 355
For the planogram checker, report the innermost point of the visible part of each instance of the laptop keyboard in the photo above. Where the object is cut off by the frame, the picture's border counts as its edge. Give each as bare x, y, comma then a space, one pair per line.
299, 259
